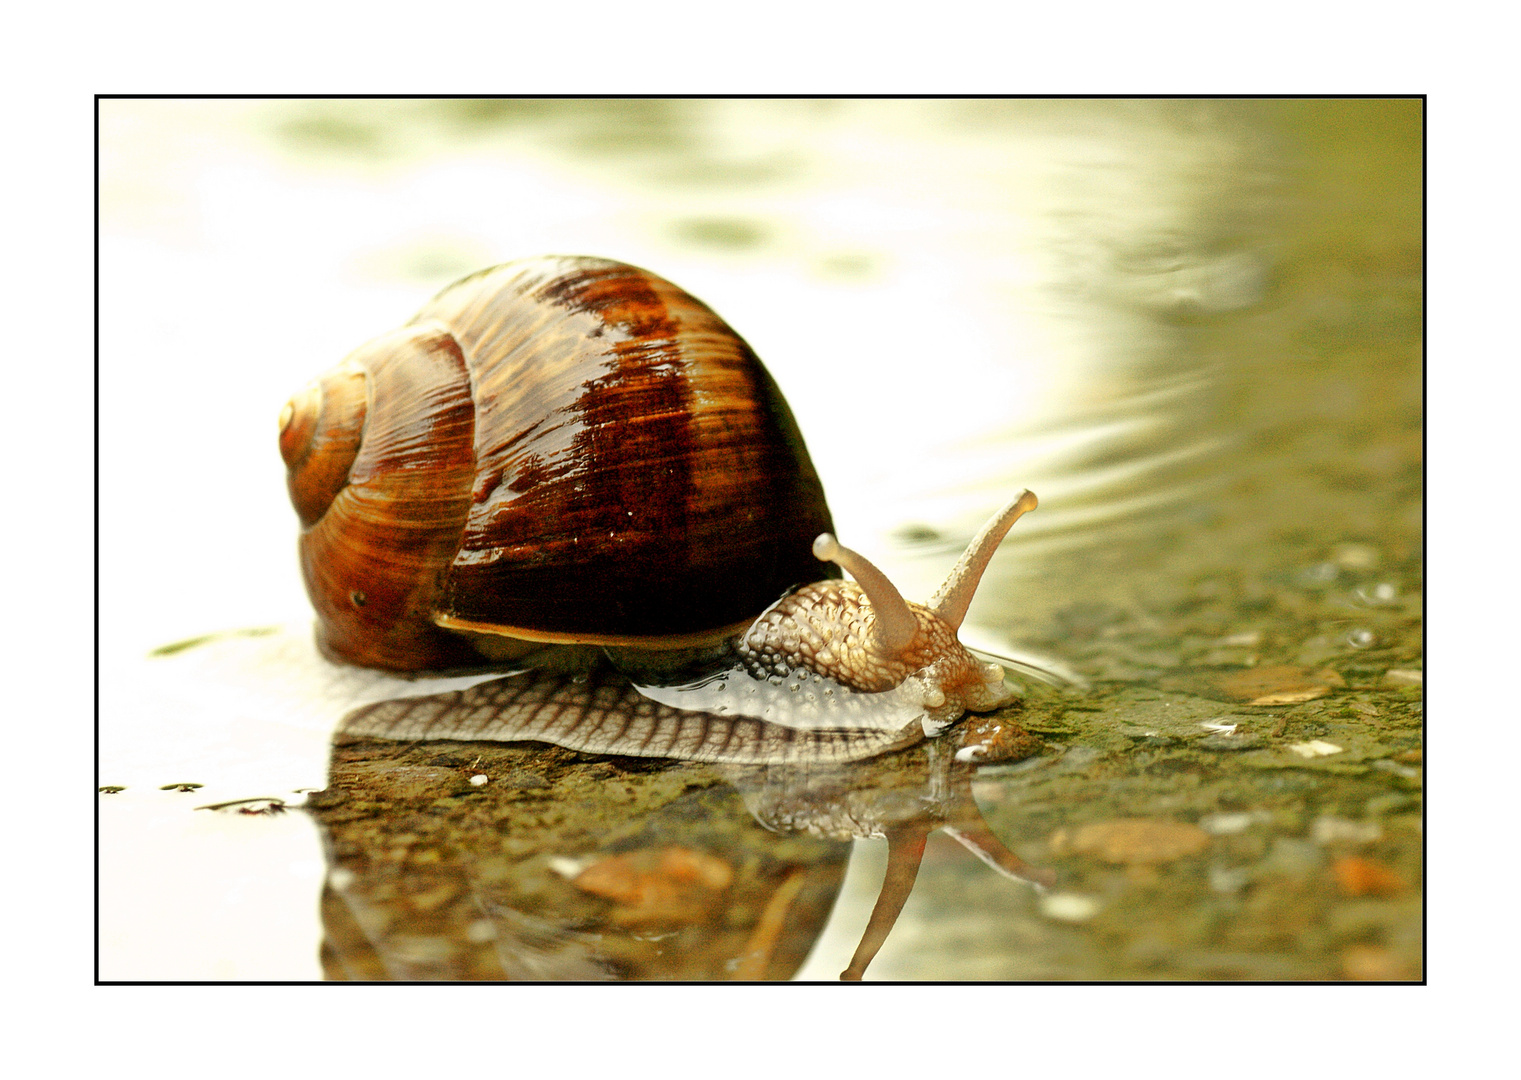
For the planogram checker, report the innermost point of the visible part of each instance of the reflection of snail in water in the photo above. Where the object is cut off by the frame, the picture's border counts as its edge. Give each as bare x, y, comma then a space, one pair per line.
903, 806
573, 451
561, 867
640, 871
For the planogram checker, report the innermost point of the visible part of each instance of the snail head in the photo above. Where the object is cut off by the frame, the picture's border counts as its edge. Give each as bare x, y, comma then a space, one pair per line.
863, 634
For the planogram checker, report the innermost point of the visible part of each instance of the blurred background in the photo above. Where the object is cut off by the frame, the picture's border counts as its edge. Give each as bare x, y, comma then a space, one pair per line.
1192, 327
1127, 306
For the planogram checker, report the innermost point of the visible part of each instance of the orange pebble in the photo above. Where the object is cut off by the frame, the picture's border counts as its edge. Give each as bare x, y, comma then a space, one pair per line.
1358, 876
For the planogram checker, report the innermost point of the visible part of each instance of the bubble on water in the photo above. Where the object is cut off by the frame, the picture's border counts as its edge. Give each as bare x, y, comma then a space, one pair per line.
1356, 556
1382, 592
1320, 574
1361, 638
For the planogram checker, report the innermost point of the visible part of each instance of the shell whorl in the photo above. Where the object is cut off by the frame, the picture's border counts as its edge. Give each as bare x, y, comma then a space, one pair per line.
586, 454
320, 431
375, 560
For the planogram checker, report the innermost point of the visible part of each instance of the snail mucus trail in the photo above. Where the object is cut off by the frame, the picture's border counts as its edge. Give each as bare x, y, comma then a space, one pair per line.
571, 469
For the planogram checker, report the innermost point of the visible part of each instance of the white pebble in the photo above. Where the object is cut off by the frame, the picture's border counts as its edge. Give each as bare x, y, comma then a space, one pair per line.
1356, 556
1247, 638
1330, 830
567, 867
1069, 907
1226, 824
481, 931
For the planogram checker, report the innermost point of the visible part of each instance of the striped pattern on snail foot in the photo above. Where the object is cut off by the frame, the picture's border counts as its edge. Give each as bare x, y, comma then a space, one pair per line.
598, 712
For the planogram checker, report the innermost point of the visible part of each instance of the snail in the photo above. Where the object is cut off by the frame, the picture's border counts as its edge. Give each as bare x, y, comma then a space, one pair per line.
571, 453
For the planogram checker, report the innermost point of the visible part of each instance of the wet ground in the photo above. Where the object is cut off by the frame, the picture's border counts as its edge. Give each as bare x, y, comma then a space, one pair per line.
1193, 328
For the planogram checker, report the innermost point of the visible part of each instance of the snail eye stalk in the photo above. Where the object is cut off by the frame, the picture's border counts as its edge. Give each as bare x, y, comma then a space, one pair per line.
955, 596
895, 623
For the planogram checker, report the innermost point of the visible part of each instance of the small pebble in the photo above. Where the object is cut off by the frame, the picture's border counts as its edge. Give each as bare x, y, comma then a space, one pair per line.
1334, 830
1364, 708
1404, 677
567, 867
1132, 840
1229, 879
1069, 907
1373, 963
1358, 876
1315, 748
654, 886
1296, 858
1248, 638
1227, 824
481, 931
478, 779
1278, 684
1355, 556
987, 740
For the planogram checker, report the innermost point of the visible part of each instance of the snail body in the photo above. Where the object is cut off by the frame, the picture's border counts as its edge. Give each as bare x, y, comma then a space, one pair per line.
574, 452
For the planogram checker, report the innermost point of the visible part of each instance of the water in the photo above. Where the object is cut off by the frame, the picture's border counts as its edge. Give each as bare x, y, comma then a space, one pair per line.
1193, 328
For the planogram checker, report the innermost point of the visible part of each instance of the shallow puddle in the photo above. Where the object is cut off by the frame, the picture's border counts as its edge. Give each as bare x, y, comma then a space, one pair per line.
1193, 328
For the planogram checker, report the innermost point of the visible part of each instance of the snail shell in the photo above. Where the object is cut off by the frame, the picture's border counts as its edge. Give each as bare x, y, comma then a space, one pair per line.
574, 451
560, 450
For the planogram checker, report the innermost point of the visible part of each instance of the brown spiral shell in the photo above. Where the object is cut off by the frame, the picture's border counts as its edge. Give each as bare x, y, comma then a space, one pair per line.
561, 449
